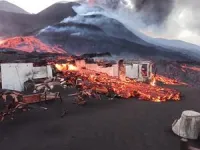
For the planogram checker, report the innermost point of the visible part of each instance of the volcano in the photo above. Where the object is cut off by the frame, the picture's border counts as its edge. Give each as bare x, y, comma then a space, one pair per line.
98, 33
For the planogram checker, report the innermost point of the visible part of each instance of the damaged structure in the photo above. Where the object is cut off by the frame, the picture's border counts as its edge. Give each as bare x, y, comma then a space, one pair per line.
137, 70
91, 77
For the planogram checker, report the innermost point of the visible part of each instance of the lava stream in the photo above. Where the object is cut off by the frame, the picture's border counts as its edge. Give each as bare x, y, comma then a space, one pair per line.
125, 89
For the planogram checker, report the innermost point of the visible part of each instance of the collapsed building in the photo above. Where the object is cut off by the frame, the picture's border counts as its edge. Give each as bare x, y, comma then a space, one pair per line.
138, 70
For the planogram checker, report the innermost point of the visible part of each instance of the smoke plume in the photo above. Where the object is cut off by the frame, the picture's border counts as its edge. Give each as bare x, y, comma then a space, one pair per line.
153, 11
167, 19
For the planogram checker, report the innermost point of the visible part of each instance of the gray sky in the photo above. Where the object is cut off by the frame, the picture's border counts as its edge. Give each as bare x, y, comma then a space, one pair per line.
35, 6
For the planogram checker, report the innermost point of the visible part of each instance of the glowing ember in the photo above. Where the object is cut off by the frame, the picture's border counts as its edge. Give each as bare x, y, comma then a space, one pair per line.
72, 67
61, 67
103, 83
66, 67
1, 41
29, 44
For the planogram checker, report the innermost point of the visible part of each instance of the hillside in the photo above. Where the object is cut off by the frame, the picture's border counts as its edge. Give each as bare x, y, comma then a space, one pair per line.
58, 11
18, 24
9, 7
98, 33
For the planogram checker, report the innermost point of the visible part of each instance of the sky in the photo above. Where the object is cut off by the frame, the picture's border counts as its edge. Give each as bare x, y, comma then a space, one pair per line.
34, 6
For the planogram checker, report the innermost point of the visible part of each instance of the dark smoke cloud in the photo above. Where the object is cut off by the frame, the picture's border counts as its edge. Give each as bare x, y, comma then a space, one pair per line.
154, 11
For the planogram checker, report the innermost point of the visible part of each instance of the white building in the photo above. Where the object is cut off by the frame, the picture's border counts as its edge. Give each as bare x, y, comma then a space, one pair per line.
139, 70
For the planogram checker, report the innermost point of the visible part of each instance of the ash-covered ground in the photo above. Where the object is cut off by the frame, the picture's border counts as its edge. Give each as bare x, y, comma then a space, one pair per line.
118, 124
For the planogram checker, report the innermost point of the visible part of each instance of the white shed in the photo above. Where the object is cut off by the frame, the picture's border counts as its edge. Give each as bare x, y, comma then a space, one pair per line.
13, 75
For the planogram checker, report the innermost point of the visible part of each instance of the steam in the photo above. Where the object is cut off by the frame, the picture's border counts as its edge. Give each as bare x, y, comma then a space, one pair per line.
73, 30
166, 23
167, 19
168, 30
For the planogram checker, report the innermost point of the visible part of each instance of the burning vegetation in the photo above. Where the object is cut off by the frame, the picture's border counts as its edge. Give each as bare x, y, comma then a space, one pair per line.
29, 44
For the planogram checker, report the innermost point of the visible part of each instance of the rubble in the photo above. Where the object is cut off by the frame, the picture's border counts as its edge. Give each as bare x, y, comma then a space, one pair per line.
33, 92
104, 84
92, 80
12, 101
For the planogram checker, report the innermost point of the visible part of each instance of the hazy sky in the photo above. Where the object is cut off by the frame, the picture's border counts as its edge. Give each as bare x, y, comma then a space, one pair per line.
34, 6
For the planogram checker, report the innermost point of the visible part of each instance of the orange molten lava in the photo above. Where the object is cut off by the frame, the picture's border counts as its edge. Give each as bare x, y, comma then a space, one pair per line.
125, 89
29, 44
168, 81
153, 82
61, 67
193, 68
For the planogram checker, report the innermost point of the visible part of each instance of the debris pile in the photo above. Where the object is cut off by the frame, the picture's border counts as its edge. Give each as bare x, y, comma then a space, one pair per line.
33, 93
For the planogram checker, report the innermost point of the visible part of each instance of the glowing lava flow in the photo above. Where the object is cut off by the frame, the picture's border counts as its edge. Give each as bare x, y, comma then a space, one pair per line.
193, 68
168, 81
29, 44
153, 82
1, 41
125, 89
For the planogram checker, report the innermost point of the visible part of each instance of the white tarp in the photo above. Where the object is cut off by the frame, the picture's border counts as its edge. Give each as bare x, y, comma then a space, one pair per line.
188, 126
15, 74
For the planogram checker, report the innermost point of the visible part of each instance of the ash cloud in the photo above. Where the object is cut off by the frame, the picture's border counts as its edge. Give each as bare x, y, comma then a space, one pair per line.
190, 14
163, 13
153, 11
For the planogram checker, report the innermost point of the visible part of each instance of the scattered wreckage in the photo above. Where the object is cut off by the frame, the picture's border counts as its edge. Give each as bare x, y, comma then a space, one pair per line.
24, 85
33, 93
92, 78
